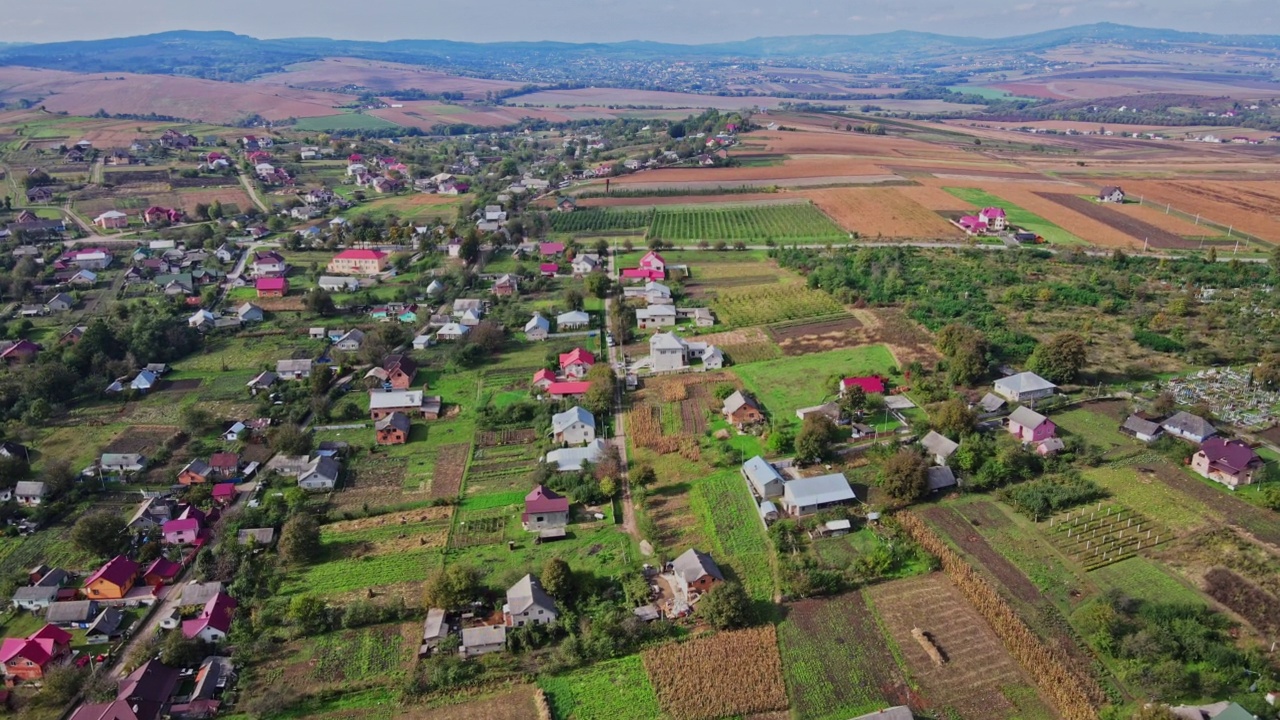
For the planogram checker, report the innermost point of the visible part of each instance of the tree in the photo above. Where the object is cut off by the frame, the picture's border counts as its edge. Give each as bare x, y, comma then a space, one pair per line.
953, 418
601, 389
853, 401
289, 439
1059, 359
469, 250
309, 613
319, 302
904, 475
599, 285
966, 351
573, 299
196, 420
726, 606
452, 588
487, 335
782, 440
813, 443
102, 533
176, 650
557, 579
300, 539
321, 377
788, 537
1164, 404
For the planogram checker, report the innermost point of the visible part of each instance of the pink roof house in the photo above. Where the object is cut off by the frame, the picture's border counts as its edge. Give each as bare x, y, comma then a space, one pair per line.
543, 378
643, 274
1030, 426
994, 218
653, 261
544, 509
161, 571
550, 249
871, 384
181, 532
548, 269
224, 493
567, 389
972, 224
576, 362
214, 621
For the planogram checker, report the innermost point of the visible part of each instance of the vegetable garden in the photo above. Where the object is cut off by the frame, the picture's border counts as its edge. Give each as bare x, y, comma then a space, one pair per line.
1096, 537
724, 503
351, 657
613, 690
741, 307
692, 679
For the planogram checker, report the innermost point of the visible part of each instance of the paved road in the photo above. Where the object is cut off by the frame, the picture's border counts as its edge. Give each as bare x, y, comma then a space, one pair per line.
620, 427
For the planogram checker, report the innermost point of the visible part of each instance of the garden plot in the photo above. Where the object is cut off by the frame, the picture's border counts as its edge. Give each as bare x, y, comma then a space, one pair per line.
498, 438
479, 527
978, 678
142, 439
689, 677
384, 534
724, 503
516, 703
372, 654
1099, 536
745, 345
451, 465
837, 662
755, 305
375, 481
1229, 393
613, 690
501, 469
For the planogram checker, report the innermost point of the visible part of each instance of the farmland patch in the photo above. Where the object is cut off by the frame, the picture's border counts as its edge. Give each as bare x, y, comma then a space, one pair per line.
689, 677
882, 212
756, 305
451, 464
613, 690
1141, 232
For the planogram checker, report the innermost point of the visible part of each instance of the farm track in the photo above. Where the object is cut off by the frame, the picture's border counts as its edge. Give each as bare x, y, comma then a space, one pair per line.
1131, 226
957, 528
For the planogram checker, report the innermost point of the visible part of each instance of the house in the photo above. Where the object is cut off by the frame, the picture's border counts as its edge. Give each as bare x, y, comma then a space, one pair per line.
28, 659
196, 594
392, 429
568, 389
764, 478
183, 531
712, 358
870, 384
574, 426
122, 463
264, 380
269, 264
358, 262
543, 379
272, 286
805, 496
1030, 426
452, 332
573, 320
571, 459
384, 402
741, 410
653, 293
61, 302
38, 195
214, 621
161, 571
319, 474
434, 629
113, 580
548, 269
939, 447
991, 405
153, 512
334, 283
828, 409
667, 352
263, 537
1049, 446
195, 472
249, 312
566, 205
528, 604
1230, 462
640, 274
576, 363
350, 341
482, 640
537, 327
44, 590
655, 316
1189, 427
224, 464
1141, 428
1111, 194
994, 218
940, 477
400, 371
83, 278
202, 320
143, 694
653, 262
105, 626
768, 511
550, 249
506, 285
112, 220
1024, 387
29, 493
544, 510
72, 613
20, 351
293, 369
695, 572
585, 264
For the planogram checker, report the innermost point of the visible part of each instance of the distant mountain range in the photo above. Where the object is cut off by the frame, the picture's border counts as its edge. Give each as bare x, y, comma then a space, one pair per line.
228, 56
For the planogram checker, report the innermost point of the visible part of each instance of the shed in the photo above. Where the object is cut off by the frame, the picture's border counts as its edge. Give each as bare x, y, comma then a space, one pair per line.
764, 478
805, 496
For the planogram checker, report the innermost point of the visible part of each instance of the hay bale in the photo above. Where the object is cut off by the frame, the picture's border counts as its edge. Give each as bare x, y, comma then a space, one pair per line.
930, 648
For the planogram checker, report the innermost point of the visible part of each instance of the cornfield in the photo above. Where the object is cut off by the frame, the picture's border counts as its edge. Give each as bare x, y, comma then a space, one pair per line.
644, 425
730, 673
1074, 696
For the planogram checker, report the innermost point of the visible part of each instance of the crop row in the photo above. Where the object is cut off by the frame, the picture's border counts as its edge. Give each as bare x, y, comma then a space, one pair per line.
594, 220
690, 677
353, 657
770, 304
798, 222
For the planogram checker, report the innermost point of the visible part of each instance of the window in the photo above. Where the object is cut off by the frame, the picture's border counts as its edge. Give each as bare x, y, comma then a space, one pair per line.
538, 518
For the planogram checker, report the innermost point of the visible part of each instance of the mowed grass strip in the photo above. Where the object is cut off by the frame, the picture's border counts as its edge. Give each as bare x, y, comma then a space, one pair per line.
369, 571
785, 385
1142, 579
613, 690
723, 503
1017, 216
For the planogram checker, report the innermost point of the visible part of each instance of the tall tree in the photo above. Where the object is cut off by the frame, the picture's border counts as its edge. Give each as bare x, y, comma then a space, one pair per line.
1059, 359
101, 533
726, 606
904, 475
452, 588
300, 539
557, 579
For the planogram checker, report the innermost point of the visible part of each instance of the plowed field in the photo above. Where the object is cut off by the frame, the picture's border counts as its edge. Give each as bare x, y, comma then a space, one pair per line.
1142, 232
1253, 207
876, 212
1156, 215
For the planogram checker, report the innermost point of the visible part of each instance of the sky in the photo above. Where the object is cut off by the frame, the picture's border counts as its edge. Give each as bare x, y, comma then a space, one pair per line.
682, 21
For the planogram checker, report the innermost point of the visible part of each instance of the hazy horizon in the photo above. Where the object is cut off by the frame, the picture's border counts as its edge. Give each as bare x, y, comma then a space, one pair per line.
694, 22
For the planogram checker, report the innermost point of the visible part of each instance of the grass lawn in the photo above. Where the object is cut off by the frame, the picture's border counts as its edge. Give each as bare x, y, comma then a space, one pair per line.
597, 547
1017, 216
354, 573
749, 445
613, 690
790, 383
1150, 497
344, 121
1143, 579
413, 206
1095, 428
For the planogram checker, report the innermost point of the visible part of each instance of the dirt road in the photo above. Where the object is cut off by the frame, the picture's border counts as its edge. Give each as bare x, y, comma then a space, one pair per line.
619, 423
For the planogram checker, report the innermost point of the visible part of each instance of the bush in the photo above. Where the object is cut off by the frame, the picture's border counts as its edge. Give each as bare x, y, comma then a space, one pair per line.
1046, 496
1156, 341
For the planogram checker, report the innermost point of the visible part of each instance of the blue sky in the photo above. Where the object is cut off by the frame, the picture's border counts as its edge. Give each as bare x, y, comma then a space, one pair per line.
686, 21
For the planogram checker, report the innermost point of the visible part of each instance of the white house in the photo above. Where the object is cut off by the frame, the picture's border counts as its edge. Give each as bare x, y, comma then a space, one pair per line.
574, 426
667, 352
573, 320
805, 496
537, 327
528, 604
764, 478
656, 316
1024, 387
1189, 427
319, 474
571, 459
939, 447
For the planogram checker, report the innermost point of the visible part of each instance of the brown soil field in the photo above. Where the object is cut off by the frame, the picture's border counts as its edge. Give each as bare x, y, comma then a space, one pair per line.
969, 171
190, 98
794, 167
378, 75
689, 677
516, 703
818, 336
371, 481
425, 114
753, 198
1140, 231
451, 463
876, 212
420, 515
102, 132
1155, 215
977, 667
144, 439
648, 98
1253, 207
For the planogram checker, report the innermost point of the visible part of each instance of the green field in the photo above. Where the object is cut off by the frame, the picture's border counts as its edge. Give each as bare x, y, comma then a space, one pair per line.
729, 515
345, 121
1142, 579
785, 385
613, 690
987, 92
356, 573
775, 303
797, 222
1150, 497
1096, 429
1017, 216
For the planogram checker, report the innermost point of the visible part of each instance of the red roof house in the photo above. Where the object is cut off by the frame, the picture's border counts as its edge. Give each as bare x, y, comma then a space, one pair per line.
871, 384
226, 464
272, 286
113, 580
1230, 462
28, 658
548, 269
566, 389
214, 621
576, 362
224, 493
642, 274
20, 351
543, 378
161, 571
550, 249
181, 531
653, 261
544, 508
